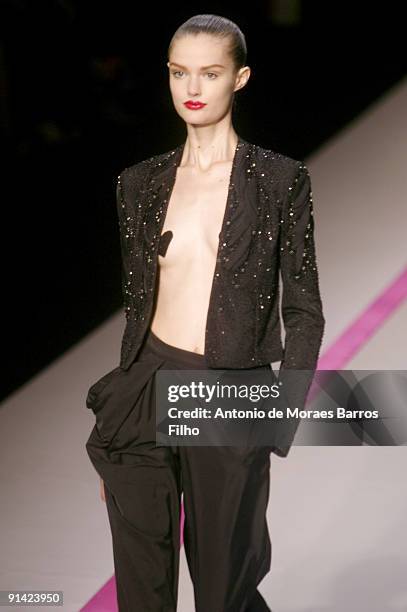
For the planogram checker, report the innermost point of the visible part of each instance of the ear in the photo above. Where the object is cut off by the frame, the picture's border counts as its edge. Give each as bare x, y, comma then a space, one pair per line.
242, 77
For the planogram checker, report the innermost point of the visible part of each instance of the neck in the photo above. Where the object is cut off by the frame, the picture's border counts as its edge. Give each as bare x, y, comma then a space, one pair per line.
207, 145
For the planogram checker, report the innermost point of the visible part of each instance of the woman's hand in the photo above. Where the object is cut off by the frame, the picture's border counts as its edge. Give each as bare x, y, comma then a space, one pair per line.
102, 490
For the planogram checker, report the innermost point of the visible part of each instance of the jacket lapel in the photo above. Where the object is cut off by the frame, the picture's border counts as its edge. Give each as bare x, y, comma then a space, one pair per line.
159, 185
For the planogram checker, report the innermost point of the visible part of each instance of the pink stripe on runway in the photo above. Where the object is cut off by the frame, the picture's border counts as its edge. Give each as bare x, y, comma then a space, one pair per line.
358, 333
104, 600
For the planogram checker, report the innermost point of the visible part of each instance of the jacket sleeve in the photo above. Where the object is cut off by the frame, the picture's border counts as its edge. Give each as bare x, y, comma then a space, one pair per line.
301, 305
127, 220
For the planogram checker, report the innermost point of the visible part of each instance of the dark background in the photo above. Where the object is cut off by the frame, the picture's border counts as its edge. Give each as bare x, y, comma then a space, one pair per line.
84, 93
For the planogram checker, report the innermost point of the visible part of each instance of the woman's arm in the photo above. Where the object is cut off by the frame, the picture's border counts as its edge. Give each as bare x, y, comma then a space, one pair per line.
128, 212
127, 227
301, 304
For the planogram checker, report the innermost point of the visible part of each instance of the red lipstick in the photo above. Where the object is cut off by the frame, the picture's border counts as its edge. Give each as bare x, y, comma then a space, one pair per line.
194, 105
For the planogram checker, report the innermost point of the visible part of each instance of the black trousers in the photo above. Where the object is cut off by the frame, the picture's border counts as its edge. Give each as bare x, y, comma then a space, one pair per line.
225, 495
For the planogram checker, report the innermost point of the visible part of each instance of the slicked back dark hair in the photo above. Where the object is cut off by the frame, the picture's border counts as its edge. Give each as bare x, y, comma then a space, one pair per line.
217, 26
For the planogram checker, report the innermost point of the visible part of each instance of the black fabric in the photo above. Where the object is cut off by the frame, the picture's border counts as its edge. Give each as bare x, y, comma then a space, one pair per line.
165, 240
225, 489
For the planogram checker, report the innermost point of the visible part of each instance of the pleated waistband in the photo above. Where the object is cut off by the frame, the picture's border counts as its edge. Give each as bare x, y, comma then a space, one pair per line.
174, 353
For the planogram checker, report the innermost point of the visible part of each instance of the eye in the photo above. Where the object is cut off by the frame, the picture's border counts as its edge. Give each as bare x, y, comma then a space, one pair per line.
212, 75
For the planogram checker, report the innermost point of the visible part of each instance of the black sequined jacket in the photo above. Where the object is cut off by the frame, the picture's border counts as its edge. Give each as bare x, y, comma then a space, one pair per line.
267, 231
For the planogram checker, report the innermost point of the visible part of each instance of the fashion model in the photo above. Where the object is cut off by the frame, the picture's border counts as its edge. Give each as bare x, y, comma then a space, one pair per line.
206, 229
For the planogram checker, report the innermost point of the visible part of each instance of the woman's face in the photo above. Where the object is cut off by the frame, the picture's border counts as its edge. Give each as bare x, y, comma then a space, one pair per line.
201, 69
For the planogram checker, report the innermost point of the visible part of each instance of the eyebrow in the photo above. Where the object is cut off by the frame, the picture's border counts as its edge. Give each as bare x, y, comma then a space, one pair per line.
203, 67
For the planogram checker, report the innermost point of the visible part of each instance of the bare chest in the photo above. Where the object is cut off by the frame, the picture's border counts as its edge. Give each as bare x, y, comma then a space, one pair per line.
195, 214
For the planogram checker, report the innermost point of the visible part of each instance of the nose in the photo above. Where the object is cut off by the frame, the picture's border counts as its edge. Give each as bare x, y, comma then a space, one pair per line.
194, 86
